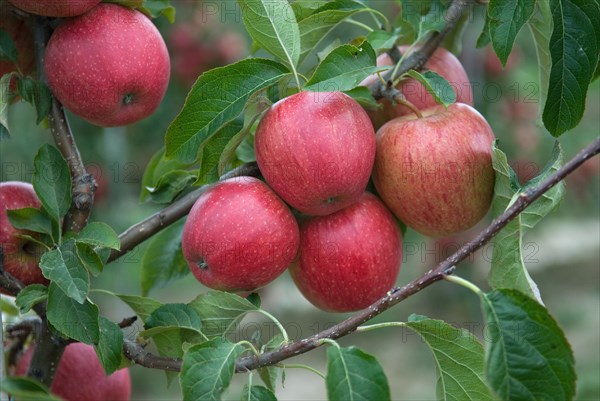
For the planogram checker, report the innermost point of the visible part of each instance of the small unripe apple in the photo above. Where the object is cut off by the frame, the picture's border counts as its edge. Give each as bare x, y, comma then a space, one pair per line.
442, 62
348, 259
435, 173
239, 236
55, 8
80, 376
109, 66
21, 256
316, 150
21, 35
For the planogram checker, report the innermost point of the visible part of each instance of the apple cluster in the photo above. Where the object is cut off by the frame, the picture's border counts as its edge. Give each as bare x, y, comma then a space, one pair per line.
80, 376
104, 62
317, 152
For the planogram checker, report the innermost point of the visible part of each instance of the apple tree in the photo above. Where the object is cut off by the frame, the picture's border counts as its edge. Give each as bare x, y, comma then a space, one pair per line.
345, 128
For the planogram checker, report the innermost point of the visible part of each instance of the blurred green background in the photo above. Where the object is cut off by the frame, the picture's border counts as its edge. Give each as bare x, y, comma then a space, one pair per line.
563, 252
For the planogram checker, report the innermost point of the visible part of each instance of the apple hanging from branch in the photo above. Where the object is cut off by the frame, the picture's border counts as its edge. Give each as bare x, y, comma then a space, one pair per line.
109, 66
316, 150
435, 173
239, 236
21, 256
80, 376
348, 259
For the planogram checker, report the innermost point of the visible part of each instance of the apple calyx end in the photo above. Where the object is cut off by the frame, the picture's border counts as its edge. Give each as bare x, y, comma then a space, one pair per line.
128, 99
202, 265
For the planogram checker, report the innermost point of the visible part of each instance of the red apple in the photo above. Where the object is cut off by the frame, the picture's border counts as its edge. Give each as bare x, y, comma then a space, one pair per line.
21, 257
21, 35
55, 8
110, 66
80, 376
350, 258
442, 62
239, 236
316, 150
435, 173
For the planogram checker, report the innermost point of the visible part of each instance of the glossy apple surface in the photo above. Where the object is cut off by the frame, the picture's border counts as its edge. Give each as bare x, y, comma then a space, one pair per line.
316, 150
55, 8
442, 62
80, 376
348, 259
435, 173
21, 256
110, 66
239, 236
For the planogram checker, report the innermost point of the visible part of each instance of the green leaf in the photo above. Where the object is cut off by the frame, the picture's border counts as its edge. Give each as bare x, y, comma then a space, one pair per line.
272, 26
269, 374
30, 296
163, 261
344, 68
352, 374
364, 96
157, 167
508, 267
439, 88
170, 340
207, 369
180, 315
421, 18
527, 354
304, 8
37, 93
219, 310
64, 268
540, 26
574, 49
7, 307
90, 259
4, 102
30, 219
171, 185
315, 27
110, 345
257, 393
382, 40
99, 234
218, 147
156, 8
459, 359
484, 38
75, 320
24, 388
505, 20
52, 181
218, 97
141, 306
8, 50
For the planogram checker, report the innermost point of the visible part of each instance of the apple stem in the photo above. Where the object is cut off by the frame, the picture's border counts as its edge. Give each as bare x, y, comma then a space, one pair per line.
406, 103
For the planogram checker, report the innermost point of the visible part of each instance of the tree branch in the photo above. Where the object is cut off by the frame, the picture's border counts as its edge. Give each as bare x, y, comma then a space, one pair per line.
139, 355
417, 59
83, 183
395, 295
145, 229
